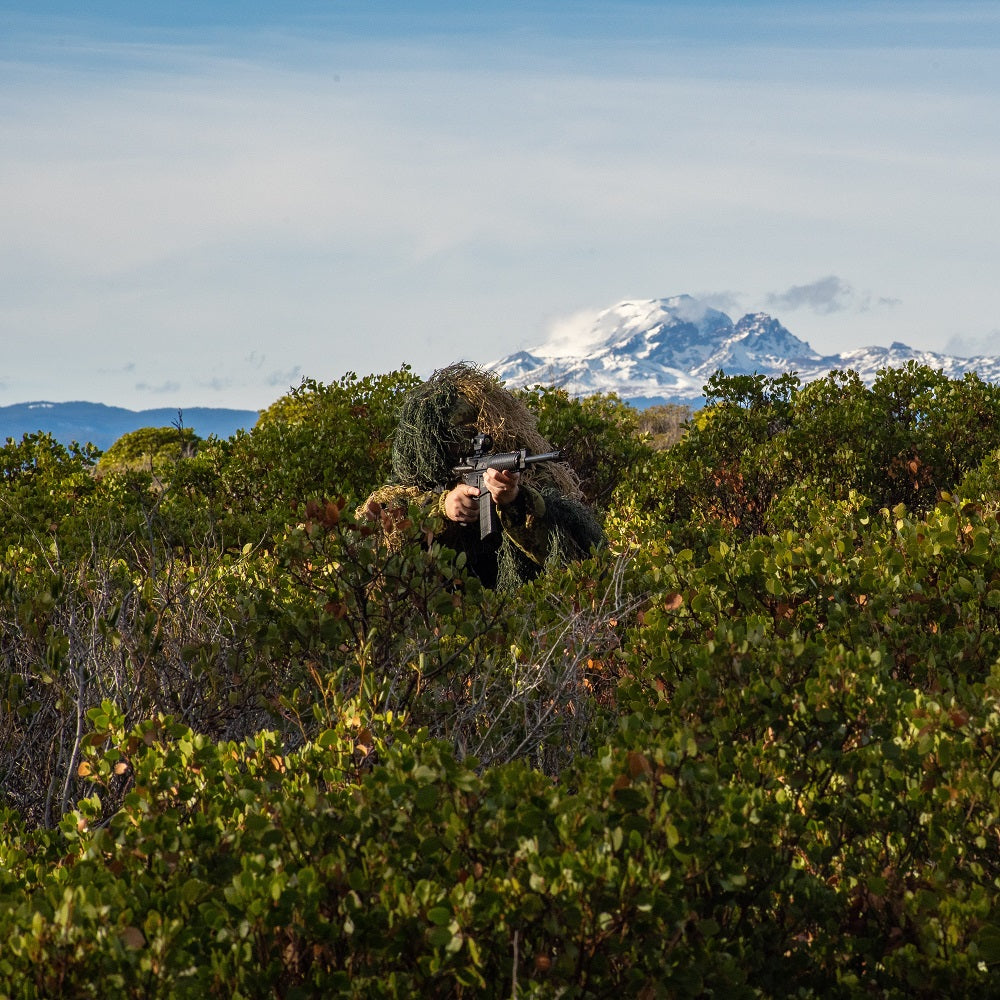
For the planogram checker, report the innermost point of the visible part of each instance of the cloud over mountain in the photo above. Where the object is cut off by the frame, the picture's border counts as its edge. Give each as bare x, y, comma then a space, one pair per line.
665, 350
829, 294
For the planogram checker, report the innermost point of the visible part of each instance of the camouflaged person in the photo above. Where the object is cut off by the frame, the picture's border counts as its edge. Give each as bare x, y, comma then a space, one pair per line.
543, 520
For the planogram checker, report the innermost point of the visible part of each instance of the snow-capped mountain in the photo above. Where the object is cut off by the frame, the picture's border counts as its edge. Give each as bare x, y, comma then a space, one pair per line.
665, 350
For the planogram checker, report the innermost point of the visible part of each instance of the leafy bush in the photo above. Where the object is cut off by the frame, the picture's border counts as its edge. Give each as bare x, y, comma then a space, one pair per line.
246, 749
664, 423
598, 435
764, 450
154, 448
319, 440
41, 483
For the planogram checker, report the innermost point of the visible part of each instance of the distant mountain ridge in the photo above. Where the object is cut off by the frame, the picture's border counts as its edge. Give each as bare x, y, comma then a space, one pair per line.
656, 351
648, 352
101, 425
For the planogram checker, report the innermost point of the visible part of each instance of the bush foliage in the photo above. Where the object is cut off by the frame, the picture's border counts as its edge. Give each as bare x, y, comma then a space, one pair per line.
750, 749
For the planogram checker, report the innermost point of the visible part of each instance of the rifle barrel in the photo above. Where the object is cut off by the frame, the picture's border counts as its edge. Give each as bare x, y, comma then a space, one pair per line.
503, 461
548, 456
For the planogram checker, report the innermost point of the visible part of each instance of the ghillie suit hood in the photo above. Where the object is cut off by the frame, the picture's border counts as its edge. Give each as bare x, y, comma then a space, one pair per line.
438, 420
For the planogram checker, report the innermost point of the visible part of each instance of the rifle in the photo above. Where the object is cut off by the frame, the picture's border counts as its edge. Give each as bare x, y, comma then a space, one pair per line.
471, 468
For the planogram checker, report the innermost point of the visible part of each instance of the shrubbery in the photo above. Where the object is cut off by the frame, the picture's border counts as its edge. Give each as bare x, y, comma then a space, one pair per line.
752, 748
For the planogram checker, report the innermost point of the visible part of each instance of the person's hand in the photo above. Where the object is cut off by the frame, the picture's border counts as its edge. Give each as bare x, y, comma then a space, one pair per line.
462, 504
503, 485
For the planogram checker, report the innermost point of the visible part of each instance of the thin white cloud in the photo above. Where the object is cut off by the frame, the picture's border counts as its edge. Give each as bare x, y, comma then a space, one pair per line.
128, 368
285, 379
825, 295
162, 388
971, 346
829, 295
574, 335
240, 215
731, 303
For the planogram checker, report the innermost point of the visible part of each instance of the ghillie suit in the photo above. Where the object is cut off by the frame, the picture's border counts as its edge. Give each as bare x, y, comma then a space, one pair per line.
548, 524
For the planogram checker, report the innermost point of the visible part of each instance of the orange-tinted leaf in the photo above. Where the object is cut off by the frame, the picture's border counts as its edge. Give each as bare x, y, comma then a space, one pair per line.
133, 938
638, 764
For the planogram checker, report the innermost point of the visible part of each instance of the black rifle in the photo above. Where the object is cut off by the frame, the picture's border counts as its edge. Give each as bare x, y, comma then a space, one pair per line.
471, 468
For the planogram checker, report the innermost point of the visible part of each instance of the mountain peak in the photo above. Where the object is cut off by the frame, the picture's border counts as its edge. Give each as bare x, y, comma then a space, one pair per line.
650, 351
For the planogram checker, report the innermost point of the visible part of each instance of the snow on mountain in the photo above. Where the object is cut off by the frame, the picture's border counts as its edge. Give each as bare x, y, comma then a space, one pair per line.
665, 350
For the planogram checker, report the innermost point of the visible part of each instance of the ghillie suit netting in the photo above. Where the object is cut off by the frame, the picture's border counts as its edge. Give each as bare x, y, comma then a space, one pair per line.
438, 420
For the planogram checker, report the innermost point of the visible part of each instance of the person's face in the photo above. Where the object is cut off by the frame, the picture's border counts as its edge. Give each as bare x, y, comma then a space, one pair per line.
463, 421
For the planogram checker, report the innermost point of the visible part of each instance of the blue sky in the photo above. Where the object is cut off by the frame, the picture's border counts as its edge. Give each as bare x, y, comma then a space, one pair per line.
201, 203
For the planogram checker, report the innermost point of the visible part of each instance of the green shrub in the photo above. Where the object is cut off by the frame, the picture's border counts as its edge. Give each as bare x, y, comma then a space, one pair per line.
246, 749
598, 435
319, 440
764, 450
157, 449
665, 423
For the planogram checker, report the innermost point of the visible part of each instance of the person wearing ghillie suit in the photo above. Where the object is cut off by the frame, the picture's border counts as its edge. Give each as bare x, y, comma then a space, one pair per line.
542, 518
